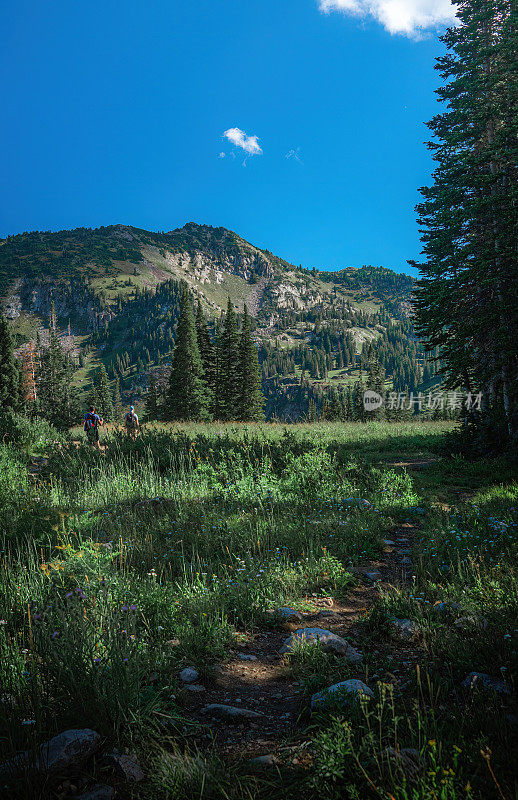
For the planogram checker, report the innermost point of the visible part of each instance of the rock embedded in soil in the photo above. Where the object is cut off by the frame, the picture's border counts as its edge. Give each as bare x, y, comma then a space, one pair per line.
231, 713
484, 681
373, 575
65, 752
268, 760
125, 767
100, 791
195, 688
287, 614
340, 694
405, 629
469, 622
189, 675
330, 642
246, 657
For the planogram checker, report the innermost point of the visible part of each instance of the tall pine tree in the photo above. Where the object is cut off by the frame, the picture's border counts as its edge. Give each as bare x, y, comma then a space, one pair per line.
251, 400
9, 372
467, 302
229, 391
188, 396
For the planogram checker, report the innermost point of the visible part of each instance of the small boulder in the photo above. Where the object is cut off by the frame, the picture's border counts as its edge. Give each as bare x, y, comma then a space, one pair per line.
484, 681
195, 688
342, 694
101, 791
268, 760
287, 614
470, 621
246, 657
189, 675
373, 575
329, 642
231, 713
405, 629
125, 767
65, 752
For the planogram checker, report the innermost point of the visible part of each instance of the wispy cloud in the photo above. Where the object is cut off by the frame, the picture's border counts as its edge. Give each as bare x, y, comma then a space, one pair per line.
409, 17
250, 144
294, 154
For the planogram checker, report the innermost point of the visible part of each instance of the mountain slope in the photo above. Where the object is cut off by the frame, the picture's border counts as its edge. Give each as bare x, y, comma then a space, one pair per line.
114, 291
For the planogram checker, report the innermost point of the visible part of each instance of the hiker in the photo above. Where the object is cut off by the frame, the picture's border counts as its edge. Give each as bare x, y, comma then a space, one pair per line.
91, 426
131, 422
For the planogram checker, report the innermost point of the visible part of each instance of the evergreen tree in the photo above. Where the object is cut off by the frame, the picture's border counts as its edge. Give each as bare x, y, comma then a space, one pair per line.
9, 372
467, 302
188, 396
251, 399
152, 400
102, 396
206, 348
229, 368
57, 399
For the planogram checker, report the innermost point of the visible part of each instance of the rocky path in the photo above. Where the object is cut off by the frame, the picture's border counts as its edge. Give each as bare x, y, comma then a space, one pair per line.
252, 707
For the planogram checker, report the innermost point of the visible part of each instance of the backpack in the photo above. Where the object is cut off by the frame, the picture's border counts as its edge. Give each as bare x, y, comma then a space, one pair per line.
89, 421
131, 420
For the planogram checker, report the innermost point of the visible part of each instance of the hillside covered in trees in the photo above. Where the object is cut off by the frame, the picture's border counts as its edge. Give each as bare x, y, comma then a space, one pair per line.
111, 298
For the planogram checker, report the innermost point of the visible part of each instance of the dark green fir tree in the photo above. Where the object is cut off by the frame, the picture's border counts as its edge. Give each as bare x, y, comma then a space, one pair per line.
229, 391
188, 396
251, 399
9, 371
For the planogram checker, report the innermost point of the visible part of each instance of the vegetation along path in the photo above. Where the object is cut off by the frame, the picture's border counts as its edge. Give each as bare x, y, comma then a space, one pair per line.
178, 611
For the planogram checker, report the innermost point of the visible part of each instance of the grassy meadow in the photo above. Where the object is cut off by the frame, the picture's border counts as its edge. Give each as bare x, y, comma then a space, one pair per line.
121, 568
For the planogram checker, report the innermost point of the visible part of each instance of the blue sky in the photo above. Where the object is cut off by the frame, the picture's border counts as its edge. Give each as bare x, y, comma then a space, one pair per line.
116, 112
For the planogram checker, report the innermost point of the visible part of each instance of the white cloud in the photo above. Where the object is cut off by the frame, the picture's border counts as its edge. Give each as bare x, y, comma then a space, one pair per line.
250, 144
222, 155
410, 17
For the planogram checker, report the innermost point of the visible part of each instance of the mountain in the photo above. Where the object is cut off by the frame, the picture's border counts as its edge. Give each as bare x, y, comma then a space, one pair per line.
113, 294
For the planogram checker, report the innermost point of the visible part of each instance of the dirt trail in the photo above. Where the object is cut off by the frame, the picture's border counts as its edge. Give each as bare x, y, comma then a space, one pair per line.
262, 684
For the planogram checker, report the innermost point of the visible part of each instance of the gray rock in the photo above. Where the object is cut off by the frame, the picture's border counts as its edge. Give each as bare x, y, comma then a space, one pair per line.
288, 614
407, 759
469, 622
342, 694
388, 542
268, 760
231, 713
373, 575
195, 688
405, 629
189, 675
246, 657
64, 752
125, 767
328, 641
326, 612
484, 681
101, 791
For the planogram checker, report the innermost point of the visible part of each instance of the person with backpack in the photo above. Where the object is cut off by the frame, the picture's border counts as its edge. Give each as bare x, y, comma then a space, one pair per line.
92, 421
131, 422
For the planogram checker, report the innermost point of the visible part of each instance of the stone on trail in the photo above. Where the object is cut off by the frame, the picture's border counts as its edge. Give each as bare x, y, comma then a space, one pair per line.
246, 657
405, 629
101, 791
189, 675
340, 694
484, 681
231, 713
195, 688
64, 752
125, 767
288, 614
373, 575
329, 642
268, 760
